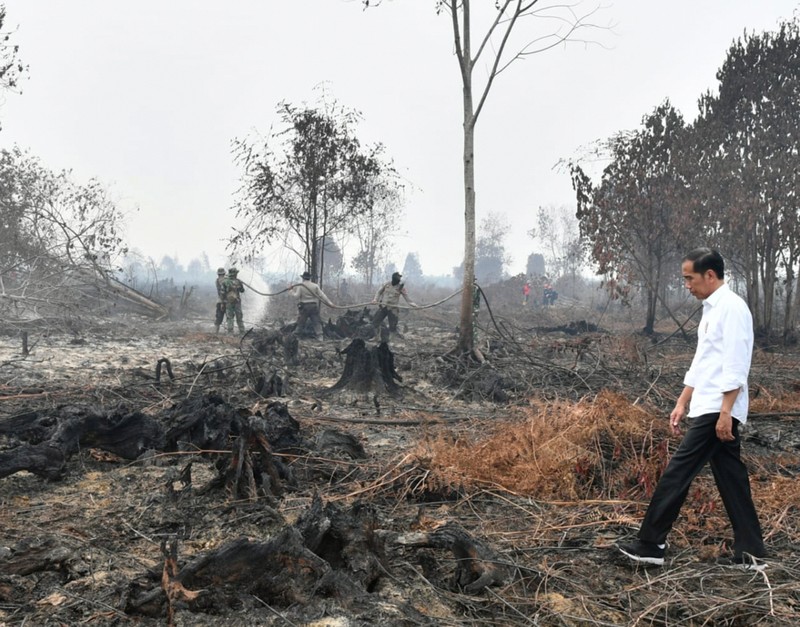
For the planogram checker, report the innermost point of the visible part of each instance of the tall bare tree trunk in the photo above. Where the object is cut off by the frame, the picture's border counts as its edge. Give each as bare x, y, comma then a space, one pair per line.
465, 337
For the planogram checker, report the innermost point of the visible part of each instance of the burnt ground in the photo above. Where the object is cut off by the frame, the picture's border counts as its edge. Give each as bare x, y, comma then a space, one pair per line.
387, 505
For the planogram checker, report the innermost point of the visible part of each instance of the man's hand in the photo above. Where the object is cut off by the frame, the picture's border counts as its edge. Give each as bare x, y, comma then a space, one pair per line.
725, 427
675, 418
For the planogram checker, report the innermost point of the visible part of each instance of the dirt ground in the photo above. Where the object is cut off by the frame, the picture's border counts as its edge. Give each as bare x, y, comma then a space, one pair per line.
541, 457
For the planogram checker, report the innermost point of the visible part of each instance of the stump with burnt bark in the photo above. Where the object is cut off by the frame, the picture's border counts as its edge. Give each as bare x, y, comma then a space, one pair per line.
330, 552
368, 369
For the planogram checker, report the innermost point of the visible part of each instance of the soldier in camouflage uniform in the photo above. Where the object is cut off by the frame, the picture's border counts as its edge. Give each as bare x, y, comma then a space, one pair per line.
220, 309
233, 289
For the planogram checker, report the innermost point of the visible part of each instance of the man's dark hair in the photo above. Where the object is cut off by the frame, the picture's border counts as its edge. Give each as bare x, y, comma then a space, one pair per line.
706, 259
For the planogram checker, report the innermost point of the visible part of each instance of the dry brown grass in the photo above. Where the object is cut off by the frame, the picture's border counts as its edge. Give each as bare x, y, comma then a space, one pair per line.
600, 447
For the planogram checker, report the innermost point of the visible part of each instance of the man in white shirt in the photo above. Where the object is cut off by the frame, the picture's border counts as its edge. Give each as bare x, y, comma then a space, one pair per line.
716, 394
309, 295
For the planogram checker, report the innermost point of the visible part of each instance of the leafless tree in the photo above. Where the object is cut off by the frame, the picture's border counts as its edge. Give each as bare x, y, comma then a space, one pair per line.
58, 239
505, 32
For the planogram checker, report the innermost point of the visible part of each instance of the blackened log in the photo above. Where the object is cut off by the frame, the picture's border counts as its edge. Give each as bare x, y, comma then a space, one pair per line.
32, 427
477, 565
36, 554
281, 570
42, 460
125, 434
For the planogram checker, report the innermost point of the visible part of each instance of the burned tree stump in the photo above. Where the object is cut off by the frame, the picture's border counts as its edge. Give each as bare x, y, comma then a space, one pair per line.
368, 369
252, 466
345, 539
477, 565
266, 342
329, 552
199, 423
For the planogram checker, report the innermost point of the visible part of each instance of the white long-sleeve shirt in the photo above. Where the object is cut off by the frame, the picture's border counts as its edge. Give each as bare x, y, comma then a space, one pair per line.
722, 360
309, 292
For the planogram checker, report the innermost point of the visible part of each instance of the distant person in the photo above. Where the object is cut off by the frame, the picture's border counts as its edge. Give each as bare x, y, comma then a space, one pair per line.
220, 309
309, 295
526, 293
388, 300
715, 393
233, 299
549, 295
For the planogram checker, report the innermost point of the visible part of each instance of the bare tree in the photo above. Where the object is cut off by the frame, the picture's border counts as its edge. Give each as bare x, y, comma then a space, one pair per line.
563, 247
57, 239
491, 257
499, 40
375, 227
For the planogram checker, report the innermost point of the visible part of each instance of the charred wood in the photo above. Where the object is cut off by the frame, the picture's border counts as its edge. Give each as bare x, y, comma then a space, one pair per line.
368, 369
126, 434
477, 565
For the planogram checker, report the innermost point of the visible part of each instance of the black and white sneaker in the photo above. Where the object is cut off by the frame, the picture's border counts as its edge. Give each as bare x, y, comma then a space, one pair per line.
742, 562
643, 552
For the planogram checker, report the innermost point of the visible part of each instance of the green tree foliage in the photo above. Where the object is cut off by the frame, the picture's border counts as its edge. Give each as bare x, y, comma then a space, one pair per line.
729, 180
746, 147
637, 218
305, 183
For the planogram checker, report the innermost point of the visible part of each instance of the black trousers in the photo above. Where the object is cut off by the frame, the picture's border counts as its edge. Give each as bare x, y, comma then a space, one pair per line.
701, 445
219, 314
306, 312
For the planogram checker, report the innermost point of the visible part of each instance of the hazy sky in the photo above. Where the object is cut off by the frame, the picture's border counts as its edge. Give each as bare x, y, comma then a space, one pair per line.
146, 96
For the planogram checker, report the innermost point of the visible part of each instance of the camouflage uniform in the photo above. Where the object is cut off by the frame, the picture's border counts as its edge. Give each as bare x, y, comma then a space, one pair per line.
309, 295
219, 314
233, 288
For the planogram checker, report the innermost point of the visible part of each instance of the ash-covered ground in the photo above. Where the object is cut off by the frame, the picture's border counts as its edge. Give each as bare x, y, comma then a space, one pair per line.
476, 494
